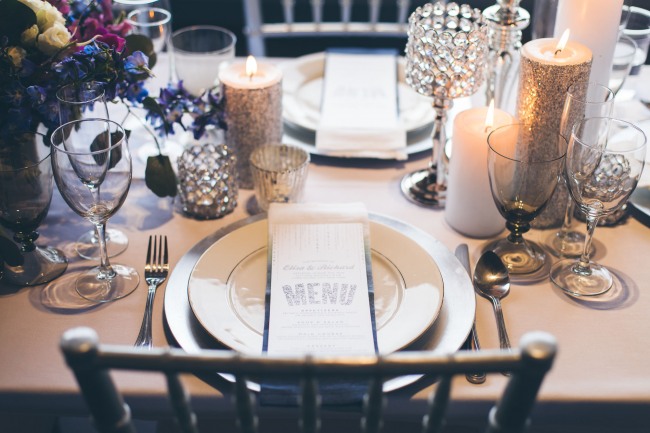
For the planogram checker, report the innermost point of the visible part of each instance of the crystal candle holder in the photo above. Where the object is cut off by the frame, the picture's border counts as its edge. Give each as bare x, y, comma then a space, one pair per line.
208, 184
446, 55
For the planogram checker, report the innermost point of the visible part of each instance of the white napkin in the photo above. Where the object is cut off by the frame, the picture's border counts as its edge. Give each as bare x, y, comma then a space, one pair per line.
359, 112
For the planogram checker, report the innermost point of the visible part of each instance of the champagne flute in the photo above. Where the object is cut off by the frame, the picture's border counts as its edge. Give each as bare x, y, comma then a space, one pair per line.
582, 100
92, 169
79, 101
603, 165
522, 181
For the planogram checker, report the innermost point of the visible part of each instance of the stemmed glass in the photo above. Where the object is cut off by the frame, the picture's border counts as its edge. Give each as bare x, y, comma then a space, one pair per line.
446, 54
624, 54
79, 101
25, 197
603, 165
92, 169
582, 100
522, 181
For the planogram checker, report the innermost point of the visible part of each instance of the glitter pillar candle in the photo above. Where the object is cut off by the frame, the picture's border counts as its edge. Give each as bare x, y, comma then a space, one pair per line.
253, 99
548, 67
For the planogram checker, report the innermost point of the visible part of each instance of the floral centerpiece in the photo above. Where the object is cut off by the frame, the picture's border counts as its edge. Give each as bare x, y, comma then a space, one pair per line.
46, 44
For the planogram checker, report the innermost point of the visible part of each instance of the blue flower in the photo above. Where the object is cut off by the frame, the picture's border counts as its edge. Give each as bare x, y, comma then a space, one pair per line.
136, 63
70, 69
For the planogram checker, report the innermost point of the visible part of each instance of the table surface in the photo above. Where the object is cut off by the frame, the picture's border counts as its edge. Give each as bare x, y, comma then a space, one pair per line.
600, 370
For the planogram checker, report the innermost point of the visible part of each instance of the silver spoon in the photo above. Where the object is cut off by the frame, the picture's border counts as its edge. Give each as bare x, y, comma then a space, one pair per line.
492, 281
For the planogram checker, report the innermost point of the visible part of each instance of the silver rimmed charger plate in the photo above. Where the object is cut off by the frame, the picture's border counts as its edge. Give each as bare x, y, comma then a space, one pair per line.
446, 335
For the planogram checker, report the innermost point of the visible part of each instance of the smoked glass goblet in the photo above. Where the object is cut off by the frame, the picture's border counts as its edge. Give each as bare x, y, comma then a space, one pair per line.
80, 101
522, 180
25, 196
446, 54
92, 169
582, 100
604, 162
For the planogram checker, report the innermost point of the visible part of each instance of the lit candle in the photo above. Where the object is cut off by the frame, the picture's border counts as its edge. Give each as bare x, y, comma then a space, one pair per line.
548, 67
253, 110
470, 209
595, 24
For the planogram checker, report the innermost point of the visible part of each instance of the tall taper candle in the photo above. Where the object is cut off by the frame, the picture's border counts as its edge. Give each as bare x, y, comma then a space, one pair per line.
595, 24
548, 68
253, 99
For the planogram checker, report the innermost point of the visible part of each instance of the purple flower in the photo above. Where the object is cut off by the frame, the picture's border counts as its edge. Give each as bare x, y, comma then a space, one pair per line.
70, 69
136, 63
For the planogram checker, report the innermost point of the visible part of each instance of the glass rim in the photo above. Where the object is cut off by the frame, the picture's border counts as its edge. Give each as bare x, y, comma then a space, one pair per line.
610, 119
99, 97
608, 91
32, 165
303, 153
167, 17
544, 161
639, 11
188, 29
59, 131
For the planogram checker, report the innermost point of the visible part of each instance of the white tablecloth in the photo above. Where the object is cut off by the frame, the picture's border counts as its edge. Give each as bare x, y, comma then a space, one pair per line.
600, 380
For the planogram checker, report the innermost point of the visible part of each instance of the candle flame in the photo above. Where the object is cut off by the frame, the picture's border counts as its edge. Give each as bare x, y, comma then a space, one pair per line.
251, 67
489, 117
563, 41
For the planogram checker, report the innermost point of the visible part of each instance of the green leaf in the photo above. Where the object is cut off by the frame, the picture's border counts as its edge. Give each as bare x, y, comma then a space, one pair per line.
152, 105
15, 18
99, 143
135, 42
159, 176
10, 253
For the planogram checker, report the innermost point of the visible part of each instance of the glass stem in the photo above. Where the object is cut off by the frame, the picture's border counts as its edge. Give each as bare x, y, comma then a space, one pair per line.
439, 160
582, 266
568, 218
106, 272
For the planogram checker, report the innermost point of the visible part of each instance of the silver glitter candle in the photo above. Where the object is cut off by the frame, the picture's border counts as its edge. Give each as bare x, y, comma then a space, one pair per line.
253, 99
547, 70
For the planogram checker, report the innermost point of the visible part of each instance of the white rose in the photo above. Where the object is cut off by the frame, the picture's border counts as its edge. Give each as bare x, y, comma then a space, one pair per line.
16, 54
53, 39
28, 37
47, 16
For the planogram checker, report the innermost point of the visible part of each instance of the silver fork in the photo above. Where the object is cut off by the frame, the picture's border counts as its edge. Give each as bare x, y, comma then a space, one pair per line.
155, 273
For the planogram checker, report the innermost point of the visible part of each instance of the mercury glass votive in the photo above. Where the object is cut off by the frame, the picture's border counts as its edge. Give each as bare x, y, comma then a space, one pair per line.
446, 55
279, 174
208, 184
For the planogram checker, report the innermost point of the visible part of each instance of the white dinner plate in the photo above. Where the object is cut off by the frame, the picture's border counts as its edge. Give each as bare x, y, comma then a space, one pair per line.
227, 288
446, 335
302, 86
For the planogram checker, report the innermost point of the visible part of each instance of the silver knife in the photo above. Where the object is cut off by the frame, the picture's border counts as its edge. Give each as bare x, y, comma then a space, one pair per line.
462, 254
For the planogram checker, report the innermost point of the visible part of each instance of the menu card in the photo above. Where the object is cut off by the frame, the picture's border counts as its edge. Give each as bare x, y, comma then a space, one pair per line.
320, 282
359, 111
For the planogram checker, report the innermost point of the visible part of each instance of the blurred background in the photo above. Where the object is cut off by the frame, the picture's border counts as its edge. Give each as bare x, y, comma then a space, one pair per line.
230, 14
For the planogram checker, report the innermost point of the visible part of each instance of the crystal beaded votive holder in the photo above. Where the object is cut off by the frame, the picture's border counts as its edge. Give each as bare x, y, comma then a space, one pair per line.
207, 181
279, 173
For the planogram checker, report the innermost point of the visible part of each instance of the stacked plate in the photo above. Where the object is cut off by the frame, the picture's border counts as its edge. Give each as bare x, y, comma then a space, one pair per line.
302, 86
424, 300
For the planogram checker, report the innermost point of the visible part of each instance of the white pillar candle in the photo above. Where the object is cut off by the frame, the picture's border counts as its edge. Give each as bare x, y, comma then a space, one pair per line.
594, 23
548, 68
253, 111
470, 208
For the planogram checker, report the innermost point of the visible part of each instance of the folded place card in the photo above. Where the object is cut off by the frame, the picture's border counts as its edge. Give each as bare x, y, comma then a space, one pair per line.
359, 111
320, 281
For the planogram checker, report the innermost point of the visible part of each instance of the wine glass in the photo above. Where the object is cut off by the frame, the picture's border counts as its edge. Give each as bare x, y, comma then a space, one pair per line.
92, 169
155, 24
624, 53
25, 197
582, 100
522, 181
603, 166
79, 101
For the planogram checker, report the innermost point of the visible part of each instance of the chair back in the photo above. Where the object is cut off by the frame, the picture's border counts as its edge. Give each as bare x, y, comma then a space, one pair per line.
91, 362
258, 30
